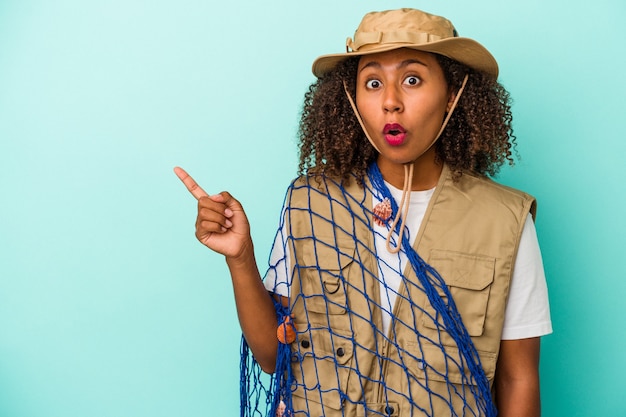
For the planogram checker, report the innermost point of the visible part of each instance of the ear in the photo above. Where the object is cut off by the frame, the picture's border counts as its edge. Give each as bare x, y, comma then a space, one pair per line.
451, 98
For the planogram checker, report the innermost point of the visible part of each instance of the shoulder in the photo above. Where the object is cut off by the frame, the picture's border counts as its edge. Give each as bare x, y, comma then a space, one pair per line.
486, 193
313, 188
327, 203
479, 183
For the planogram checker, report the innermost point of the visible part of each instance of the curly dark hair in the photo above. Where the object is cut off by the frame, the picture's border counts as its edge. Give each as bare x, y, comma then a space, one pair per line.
478, 138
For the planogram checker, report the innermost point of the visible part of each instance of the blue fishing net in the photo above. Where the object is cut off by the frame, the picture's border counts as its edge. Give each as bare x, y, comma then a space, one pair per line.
337, 365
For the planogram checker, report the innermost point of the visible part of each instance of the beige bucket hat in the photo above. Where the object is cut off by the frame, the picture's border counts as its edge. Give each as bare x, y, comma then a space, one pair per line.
410, 28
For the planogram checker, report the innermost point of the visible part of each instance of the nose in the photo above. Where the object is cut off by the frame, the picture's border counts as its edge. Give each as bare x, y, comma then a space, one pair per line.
392, 101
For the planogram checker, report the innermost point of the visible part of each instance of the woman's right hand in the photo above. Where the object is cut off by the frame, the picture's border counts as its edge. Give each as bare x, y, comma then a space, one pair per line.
221, 224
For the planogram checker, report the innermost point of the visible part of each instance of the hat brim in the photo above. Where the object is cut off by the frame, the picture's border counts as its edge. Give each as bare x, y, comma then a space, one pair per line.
464, 50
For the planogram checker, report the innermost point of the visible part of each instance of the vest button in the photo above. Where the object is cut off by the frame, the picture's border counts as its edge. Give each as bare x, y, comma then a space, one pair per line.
389, 410
305, 344
340, 352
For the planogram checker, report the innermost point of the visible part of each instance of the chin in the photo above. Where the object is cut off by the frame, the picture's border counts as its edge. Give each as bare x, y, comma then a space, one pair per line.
400, 159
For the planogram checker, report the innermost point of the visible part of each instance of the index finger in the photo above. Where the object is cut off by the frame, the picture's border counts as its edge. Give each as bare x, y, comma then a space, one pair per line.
190, 183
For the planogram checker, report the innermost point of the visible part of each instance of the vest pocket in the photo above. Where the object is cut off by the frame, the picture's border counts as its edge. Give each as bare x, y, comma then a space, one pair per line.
469, 278
435, 380
432, 362
321, 367
322, 276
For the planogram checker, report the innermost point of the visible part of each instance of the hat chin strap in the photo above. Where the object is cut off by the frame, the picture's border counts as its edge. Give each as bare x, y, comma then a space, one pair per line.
403, 207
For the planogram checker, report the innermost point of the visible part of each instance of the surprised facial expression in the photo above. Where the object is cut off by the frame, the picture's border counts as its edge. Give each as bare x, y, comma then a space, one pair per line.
402, 96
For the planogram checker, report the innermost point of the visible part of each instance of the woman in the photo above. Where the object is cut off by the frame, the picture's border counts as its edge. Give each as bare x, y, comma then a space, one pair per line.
408, 283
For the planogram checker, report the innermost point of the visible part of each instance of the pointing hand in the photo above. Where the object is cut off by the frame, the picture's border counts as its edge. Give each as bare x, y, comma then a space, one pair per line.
221, 224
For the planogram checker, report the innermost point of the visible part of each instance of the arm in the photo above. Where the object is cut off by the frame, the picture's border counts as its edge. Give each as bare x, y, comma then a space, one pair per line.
255, 309
517, 378
222, 226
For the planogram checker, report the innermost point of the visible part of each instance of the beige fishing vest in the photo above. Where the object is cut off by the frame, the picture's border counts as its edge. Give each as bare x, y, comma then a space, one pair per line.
470, 235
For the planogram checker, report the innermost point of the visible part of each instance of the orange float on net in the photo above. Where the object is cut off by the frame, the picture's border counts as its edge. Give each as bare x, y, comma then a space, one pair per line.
286, 331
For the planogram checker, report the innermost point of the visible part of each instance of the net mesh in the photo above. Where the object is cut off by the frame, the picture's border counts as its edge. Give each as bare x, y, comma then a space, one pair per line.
342, 362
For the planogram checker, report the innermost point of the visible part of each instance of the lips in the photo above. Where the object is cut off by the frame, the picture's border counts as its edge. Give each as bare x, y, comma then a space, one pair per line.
394, 134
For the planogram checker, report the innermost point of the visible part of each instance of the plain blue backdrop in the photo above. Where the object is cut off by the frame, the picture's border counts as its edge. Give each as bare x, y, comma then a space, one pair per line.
109, 307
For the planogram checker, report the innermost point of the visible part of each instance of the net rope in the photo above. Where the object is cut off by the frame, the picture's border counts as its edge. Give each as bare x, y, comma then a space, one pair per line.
329, 370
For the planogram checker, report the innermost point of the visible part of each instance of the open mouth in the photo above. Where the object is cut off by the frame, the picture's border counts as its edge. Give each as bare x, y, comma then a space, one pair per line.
393, 129
394, 134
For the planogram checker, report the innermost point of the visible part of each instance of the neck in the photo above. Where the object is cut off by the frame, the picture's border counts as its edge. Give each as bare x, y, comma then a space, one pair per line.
426, 173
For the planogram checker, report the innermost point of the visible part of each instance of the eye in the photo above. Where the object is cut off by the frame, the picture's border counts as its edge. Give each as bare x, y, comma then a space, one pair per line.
373, 84
412, 80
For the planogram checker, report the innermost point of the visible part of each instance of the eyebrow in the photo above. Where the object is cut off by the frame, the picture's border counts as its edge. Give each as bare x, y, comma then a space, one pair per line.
406, 62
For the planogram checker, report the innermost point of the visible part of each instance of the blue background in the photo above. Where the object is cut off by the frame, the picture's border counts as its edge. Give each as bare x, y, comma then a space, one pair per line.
108, 304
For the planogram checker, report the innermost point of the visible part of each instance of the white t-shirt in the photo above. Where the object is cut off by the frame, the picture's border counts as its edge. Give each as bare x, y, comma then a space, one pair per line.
527, 310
